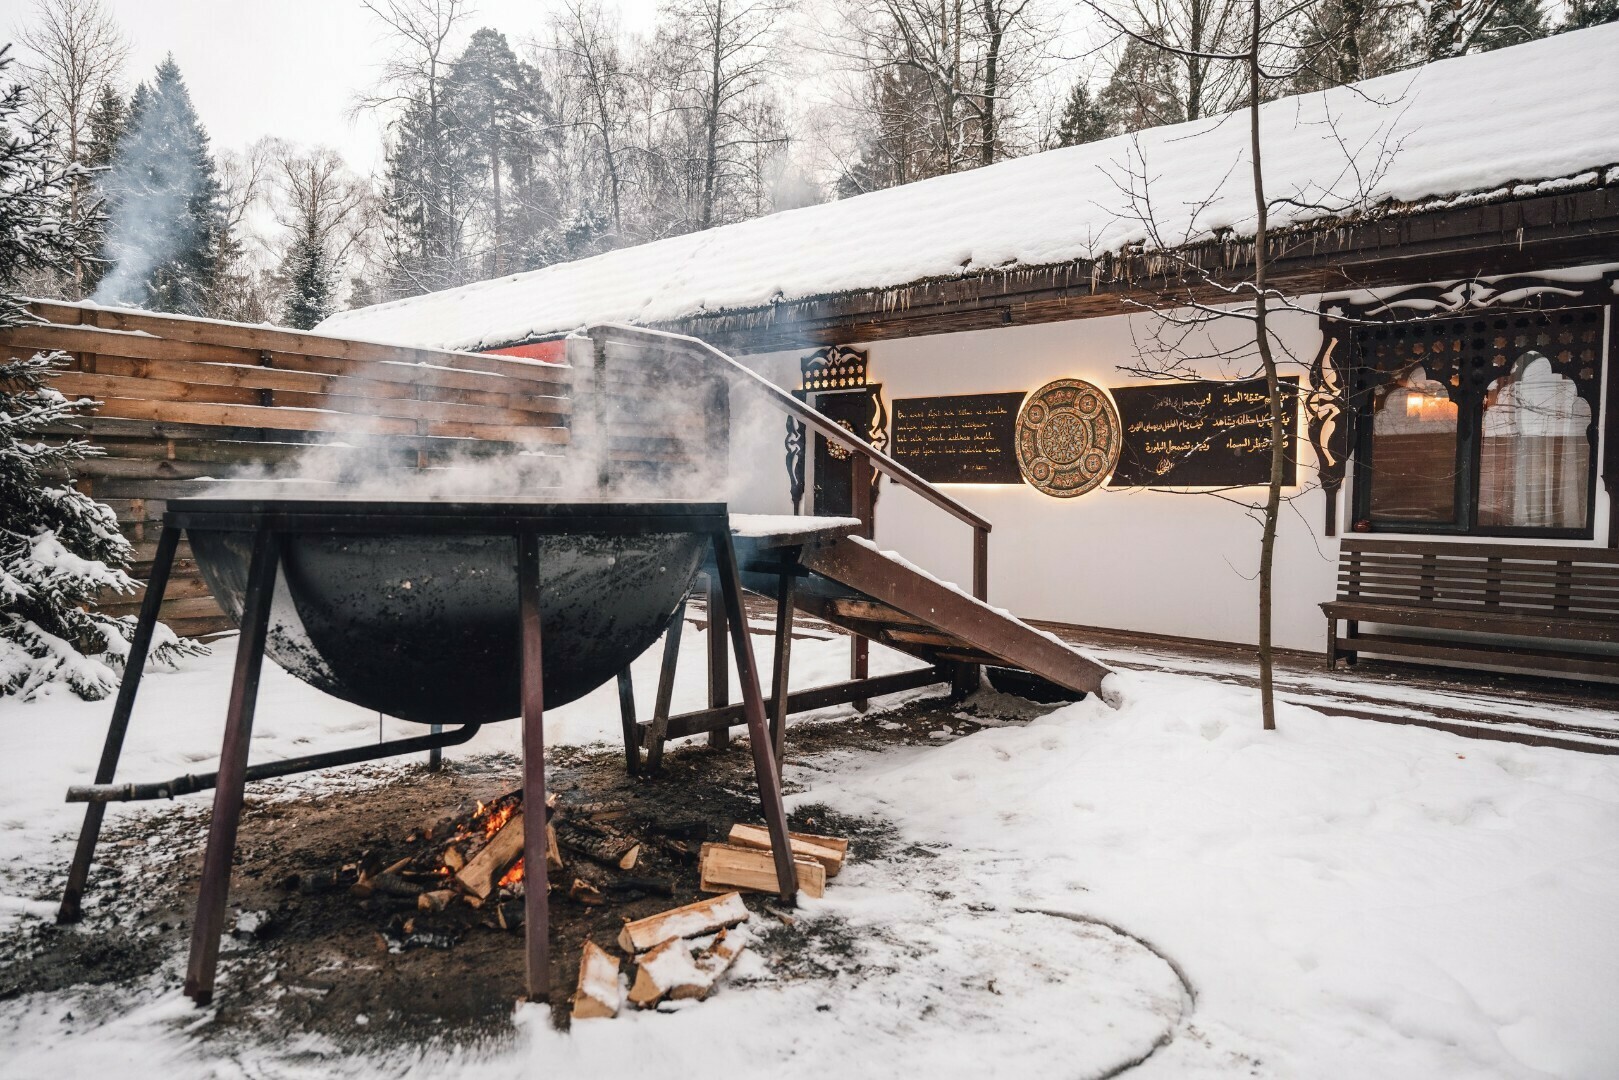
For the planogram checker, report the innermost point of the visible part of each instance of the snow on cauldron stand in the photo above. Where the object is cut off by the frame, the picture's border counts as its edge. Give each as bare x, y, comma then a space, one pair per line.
429, 610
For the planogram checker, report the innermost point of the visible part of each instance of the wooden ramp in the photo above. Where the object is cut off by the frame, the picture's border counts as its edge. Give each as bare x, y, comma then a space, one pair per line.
882, 597
821, 567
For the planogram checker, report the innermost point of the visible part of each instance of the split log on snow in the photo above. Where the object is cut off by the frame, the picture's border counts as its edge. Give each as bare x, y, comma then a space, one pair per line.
674, 971
693, 920
829, 851
486, 868
723, 866
598, 995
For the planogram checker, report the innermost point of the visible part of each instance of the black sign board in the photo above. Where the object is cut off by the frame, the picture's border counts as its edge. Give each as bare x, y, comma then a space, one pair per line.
1199, 434
963, 439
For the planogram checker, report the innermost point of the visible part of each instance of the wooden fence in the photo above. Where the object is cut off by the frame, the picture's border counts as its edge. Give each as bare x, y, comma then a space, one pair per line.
185, 401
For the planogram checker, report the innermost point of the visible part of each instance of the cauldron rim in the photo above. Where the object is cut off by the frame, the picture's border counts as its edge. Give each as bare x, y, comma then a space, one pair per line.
498, 513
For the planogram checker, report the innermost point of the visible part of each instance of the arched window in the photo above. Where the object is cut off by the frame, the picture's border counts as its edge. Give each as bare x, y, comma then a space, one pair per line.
1481, 425
1414, 445
1535, 454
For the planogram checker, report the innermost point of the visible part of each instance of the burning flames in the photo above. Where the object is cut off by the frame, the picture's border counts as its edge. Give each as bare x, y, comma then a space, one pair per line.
489, 820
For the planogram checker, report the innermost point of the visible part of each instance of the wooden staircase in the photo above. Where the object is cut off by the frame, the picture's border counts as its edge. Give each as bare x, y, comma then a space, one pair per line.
821, 567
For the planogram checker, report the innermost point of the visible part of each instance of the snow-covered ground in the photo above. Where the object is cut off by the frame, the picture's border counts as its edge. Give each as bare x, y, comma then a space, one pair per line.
1336, 899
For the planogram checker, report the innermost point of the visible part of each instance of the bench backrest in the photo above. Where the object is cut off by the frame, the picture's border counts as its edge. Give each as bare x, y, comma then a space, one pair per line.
1509, 579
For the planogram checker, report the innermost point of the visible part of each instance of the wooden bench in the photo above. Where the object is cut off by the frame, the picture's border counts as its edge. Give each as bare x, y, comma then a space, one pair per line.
1565, 599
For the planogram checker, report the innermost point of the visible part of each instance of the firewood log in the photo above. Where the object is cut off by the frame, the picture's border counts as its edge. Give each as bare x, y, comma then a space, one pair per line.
598, 995
692, 920
725, 867
487, 867
829, 851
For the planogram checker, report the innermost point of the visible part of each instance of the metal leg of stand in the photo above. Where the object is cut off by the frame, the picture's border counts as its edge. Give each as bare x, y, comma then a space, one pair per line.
231, 787
536, 906
78, 874
656, 731
435, 756
753, 708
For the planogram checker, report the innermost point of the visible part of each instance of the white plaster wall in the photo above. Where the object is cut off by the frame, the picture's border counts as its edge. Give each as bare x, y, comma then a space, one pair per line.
1181, 563
1168, 562
758, 477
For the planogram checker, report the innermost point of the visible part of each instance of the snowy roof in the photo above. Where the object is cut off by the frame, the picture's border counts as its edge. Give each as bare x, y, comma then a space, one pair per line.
1534, 117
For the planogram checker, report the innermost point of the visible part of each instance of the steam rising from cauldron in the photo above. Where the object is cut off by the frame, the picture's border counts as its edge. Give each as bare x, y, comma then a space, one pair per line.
749, 474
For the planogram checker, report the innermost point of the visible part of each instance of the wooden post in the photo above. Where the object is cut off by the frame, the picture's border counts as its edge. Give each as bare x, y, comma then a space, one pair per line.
626, 717
666, 688
782, 661
980, 562
719, 672
536, 907
231, 786
860, 495
753, 709
168, 542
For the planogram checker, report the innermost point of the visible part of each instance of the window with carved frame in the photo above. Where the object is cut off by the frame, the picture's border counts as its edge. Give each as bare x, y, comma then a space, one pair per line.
1484, 424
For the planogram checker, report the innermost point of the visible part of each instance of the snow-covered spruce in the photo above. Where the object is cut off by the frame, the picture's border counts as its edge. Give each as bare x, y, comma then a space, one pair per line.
59, 548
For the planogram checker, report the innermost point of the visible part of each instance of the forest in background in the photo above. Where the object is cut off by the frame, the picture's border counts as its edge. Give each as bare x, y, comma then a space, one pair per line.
506, 154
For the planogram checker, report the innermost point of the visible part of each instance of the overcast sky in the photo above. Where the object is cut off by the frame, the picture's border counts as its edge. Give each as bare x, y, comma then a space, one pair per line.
290, 68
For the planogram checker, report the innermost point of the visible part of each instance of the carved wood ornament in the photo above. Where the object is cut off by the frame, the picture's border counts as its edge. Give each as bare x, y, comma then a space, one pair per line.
834, 368
1068, 437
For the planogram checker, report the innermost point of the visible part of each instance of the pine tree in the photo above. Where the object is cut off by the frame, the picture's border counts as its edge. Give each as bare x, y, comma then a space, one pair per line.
492, 100
1345, 41
1583, 13
58, 548
1513, 23
1083, 118
310, 283
169, 237
429, 194
108, 118
1144, 90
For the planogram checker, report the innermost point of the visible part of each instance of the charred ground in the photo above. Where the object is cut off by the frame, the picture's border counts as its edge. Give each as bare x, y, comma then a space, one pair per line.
311, 959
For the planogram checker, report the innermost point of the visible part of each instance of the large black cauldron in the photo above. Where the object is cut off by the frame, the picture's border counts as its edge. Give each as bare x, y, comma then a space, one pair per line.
410, 607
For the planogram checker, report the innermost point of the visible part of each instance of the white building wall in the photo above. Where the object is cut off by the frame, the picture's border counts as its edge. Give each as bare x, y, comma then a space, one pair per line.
1179, 563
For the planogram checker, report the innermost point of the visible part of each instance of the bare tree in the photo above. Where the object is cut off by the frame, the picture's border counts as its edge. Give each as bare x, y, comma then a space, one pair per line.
595, 89
723, 53
1169, 70
78, 51
427, 205
940, 84
1207, 296
315, 195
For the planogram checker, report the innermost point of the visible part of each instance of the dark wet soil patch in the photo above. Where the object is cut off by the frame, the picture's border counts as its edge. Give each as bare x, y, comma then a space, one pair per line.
326, 963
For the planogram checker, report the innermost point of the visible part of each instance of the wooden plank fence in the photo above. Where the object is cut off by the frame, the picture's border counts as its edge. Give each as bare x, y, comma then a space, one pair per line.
189, 401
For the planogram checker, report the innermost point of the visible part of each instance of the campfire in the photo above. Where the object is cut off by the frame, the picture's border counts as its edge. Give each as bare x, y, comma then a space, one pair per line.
466, 873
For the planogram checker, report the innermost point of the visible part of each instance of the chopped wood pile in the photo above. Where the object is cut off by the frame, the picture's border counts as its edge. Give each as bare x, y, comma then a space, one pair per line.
681, 954
467, 870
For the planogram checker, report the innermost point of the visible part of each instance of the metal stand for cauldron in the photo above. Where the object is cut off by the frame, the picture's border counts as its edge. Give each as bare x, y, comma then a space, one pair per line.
270, 529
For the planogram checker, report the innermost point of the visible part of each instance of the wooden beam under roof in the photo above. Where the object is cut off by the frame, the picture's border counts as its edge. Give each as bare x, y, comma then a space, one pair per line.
1514, 235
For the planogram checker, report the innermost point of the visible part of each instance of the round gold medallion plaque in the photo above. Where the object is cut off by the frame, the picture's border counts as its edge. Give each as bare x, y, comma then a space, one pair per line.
1067, 438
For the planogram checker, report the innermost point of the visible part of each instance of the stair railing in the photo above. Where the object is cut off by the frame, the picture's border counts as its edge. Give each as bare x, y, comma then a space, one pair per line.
763, 389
